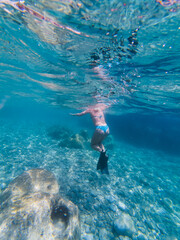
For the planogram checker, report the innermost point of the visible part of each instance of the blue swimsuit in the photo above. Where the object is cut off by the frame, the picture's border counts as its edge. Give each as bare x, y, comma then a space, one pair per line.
103, 128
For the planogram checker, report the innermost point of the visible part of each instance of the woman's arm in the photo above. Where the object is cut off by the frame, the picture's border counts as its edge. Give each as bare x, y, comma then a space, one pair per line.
79, 114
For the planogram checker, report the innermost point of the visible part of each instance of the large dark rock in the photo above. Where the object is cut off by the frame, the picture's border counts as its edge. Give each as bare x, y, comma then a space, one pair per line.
32, 209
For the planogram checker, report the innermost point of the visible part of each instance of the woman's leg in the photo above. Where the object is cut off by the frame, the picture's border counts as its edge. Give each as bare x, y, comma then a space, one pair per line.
97, 138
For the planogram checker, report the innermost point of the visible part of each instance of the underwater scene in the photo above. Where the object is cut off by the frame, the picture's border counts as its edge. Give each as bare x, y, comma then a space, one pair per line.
90, 120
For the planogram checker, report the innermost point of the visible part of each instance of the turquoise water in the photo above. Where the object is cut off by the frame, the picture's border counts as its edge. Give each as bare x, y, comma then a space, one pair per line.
48, 71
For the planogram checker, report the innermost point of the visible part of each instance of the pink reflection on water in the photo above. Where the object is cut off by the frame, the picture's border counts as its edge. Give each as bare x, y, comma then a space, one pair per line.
167, 2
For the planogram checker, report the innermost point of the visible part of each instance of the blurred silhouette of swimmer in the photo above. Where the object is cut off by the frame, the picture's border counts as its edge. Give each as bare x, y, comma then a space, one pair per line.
100, 133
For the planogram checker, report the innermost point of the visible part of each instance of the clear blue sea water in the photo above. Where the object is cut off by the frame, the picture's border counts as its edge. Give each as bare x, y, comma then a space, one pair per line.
48, 71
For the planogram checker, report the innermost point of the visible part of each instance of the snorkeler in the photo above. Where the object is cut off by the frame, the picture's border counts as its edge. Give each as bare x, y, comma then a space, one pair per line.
100, 133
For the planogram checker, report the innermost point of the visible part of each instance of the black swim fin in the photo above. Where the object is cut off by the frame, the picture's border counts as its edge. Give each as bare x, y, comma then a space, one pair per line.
102, 163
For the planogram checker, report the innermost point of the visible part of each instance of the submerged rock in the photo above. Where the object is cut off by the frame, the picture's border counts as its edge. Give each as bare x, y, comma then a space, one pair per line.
75, 141
103, 234
141, 237
58, 133
124, 225
84, 134
66, 138
31, 208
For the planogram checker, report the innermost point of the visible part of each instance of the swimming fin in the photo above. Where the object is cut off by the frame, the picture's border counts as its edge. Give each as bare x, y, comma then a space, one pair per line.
102, 163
